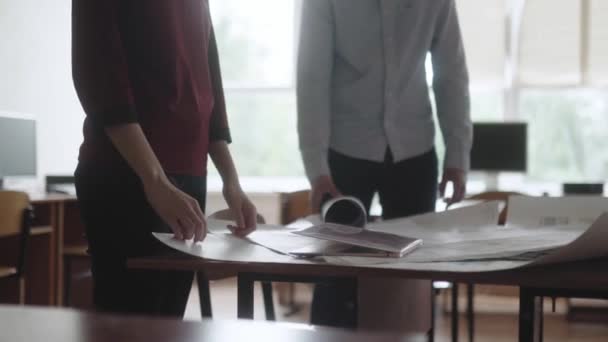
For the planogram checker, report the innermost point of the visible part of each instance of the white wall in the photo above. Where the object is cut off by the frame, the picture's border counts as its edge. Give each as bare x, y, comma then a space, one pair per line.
35, 77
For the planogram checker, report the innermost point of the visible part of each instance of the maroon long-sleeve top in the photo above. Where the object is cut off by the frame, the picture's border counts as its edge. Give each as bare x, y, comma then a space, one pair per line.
152, 62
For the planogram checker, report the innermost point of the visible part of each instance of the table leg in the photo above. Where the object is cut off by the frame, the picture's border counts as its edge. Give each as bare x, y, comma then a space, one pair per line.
529, 316
204, 294
268, 301
455, 318
471, 311
244, 296
431, 334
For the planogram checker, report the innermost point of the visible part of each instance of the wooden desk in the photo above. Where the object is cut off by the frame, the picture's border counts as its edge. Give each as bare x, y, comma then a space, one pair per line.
18, 324
61, 213
587, 279
56, 224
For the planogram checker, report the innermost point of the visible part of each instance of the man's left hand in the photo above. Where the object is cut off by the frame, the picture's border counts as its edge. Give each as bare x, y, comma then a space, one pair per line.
458, 178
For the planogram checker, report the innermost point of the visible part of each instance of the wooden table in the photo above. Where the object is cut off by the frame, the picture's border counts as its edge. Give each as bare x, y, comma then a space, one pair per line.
21, 324
588, 279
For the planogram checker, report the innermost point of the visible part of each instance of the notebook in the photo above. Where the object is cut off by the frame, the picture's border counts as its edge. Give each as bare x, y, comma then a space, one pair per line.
354, 241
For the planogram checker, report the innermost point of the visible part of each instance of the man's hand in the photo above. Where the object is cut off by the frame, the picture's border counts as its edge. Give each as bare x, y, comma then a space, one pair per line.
242, 209
458, 178
320, 186
180, 211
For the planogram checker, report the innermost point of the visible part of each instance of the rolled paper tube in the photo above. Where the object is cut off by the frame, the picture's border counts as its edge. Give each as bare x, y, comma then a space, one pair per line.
346, 210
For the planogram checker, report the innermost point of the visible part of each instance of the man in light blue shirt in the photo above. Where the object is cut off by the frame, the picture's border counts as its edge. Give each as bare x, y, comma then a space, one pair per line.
365, 118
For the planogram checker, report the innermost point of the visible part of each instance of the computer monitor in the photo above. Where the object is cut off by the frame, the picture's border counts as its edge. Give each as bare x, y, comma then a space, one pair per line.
499, 147
17, 147
583, 189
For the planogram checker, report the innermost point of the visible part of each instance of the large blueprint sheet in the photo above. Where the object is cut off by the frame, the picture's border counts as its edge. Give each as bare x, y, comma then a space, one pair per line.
539, 231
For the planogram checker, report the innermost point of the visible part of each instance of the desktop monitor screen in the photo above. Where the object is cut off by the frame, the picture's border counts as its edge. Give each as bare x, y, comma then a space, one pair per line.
499, 147
17, 147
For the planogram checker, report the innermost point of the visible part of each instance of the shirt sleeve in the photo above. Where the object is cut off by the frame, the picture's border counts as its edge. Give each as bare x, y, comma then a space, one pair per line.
314, 72
451, 87
218, 129
99, 65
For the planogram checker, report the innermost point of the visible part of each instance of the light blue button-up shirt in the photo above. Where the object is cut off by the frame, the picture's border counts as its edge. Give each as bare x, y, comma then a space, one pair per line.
362, 84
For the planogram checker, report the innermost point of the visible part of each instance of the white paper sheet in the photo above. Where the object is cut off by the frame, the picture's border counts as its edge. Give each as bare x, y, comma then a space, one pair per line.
219, 247
456, 225
533, 212
468, 233
518, 246
500, 248
459, 227
593, 243
220, 244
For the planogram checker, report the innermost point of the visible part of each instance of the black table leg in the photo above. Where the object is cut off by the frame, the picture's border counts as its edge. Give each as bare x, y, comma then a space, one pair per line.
268, 301
431, 333
529, 316
204, 294
455, 312
244, 296
471, 311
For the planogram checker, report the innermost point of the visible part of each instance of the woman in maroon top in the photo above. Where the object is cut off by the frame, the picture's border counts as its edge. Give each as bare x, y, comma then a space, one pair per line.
148, 77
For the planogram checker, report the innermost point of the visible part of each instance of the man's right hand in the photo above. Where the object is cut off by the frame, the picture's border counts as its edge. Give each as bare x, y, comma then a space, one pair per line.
180, 211
322, 185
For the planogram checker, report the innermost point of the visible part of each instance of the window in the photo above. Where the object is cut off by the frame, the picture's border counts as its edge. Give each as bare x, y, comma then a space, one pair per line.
524, 65
567, 133
559, 87
566, 48
264, 129
256, 40
257, 44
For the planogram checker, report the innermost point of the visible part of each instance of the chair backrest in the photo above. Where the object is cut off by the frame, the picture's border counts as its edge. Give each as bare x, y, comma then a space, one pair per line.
294, 205
502, 196
12, 210
226, 214
494, 196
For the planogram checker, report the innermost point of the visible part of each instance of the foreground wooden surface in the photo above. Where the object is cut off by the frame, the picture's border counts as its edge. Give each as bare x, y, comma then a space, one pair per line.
496, 316
20, 324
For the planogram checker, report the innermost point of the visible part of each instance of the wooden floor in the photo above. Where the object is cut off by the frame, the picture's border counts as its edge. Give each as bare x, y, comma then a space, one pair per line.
496, 318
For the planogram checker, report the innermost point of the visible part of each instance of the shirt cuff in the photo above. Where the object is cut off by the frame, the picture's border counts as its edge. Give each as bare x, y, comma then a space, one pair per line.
315, 163
115, 116
220, 134
458, 158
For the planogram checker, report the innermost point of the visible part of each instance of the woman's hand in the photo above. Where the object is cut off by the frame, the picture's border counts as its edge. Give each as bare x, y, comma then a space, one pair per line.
242, 209
244, 212
179, 210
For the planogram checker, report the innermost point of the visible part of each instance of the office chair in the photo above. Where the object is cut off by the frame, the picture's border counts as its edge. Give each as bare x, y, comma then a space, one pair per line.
15, 222
75, 250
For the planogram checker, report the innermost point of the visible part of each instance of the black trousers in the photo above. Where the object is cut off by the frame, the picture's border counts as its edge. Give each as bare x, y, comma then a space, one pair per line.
405, 188
119, 223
